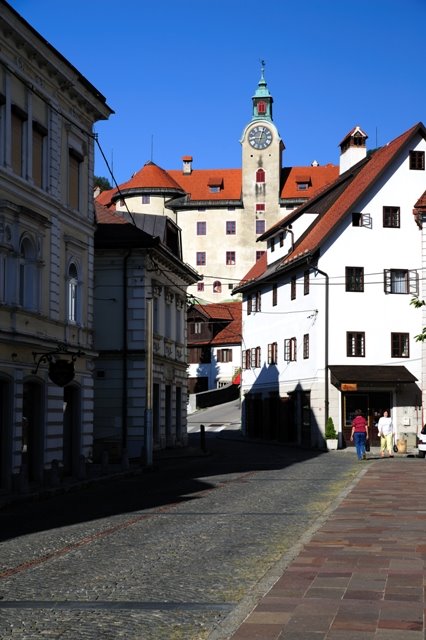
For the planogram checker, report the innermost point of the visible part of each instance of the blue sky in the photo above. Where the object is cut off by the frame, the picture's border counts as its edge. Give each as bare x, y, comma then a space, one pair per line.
180, 74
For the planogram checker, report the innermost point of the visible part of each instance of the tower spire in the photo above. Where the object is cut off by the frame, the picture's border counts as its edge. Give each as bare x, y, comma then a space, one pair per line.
262, 99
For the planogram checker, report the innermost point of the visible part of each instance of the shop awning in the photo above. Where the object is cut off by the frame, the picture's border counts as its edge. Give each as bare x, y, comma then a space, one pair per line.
370, 374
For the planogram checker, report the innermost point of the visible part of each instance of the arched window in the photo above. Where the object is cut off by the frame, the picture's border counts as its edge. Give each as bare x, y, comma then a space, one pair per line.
217, 286
28, 285
260, 175
73, 293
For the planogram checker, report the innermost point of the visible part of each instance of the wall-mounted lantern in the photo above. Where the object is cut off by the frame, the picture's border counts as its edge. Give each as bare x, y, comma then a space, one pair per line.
61, 363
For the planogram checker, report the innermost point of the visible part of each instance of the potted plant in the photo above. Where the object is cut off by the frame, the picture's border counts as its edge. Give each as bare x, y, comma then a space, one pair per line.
330, 434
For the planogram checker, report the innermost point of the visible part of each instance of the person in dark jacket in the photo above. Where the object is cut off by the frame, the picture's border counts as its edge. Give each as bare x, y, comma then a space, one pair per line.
359, 434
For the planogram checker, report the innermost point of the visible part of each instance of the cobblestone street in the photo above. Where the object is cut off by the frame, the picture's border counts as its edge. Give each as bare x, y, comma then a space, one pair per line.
167, 554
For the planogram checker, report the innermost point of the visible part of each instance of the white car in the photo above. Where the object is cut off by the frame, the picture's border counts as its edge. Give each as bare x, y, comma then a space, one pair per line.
421, 442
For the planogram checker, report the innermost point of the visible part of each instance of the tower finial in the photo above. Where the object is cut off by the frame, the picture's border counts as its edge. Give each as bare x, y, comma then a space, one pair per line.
262, 69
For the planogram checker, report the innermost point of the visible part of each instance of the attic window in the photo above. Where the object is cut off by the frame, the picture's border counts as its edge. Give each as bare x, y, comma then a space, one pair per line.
417, 160
215, 184
303, 182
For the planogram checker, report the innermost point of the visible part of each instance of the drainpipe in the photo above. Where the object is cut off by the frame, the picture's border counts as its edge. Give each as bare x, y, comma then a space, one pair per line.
148, 434
124, 429
326, 401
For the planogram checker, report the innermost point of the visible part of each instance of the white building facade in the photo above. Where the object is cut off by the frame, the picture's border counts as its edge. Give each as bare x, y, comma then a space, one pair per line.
141, 380
335, 298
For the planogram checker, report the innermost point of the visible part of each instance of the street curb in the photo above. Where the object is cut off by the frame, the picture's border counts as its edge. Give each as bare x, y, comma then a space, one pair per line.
243, 609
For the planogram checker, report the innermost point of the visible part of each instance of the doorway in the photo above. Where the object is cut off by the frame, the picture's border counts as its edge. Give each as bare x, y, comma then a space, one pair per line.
71, 431
5, 436
372, 404
32, 431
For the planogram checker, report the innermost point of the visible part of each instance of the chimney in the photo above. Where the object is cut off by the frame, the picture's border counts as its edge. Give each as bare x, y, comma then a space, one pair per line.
187, 165
352, 149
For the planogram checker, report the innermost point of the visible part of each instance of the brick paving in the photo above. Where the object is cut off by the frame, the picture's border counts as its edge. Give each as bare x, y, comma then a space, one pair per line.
362, 575
251, 542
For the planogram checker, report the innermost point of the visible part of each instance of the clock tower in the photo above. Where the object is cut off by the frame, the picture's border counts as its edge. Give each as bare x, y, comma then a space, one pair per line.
262, 150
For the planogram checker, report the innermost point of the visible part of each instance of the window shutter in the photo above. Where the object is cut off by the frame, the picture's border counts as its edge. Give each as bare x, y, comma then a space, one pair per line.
293, 349
258, 301
366, 220
413, 282
387, 280
287, 350
257, 356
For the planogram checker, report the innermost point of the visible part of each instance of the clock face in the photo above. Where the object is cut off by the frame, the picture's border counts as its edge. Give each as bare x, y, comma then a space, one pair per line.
260, 137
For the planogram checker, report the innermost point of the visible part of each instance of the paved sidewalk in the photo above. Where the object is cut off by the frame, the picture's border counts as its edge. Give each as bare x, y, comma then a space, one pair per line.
362, 575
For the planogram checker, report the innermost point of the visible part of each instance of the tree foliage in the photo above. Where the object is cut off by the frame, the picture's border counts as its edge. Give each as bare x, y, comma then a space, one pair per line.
102, 183
330, 431
417, 304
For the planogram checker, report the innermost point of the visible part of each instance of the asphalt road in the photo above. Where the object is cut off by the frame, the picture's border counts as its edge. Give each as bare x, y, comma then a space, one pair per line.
216, 419
175, 553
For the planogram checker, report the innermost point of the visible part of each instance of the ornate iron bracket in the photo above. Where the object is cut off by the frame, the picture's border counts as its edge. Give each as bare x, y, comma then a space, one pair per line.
61, 369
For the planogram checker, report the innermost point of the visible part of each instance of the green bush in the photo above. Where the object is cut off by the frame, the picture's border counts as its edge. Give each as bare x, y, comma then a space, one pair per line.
330, 431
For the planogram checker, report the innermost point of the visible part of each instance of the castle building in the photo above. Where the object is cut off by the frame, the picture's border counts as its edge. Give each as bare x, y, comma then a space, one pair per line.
222, 212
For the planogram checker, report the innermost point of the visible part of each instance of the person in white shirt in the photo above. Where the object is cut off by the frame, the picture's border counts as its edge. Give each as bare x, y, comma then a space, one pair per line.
385, 428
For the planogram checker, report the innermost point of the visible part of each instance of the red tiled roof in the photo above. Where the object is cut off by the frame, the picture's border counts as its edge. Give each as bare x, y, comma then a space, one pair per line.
151, 175
105, 196
421, 202
316, 176
229, 312
363, 180
257, 270
106, 216
196, 183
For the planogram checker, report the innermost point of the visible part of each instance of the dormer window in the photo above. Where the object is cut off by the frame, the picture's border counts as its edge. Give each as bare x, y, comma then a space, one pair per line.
215, 184
303, 182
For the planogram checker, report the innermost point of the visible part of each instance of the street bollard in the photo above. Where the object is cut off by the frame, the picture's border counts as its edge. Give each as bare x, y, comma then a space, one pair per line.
203, 437
104, 462
124, 460
54, 474
82, 467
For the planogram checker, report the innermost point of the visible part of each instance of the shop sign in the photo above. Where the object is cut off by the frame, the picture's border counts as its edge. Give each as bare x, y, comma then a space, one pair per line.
349, 386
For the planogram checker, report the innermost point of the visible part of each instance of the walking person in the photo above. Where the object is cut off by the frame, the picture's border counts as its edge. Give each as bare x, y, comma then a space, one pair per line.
359, 434
385, 428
